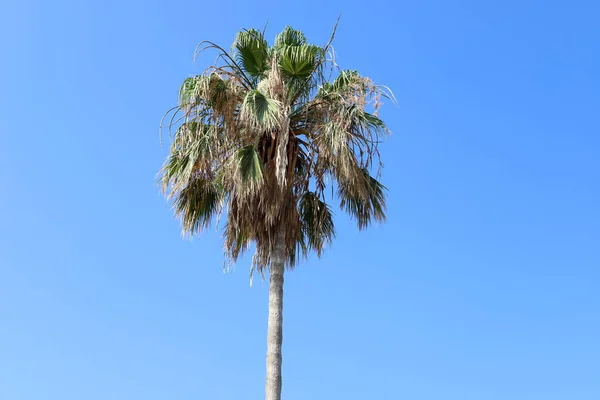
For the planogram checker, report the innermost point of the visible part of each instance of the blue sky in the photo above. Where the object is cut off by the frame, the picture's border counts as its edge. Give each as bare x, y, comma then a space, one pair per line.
484, 283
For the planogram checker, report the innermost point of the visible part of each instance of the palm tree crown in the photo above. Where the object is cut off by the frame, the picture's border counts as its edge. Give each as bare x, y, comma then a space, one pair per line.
260, 136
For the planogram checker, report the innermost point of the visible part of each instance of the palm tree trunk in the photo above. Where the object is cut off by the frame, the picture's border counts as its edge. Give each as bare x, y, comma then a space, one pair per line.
275, 328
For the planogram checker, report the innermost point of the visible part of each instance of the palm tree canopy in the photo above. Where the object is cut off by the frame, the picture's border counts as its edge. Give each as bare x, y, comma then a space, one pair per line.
259, 137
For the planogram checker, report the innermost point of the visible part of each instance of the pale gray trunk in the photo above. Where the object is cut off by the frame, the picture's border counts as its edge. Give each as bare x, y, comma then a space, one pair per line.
275, 328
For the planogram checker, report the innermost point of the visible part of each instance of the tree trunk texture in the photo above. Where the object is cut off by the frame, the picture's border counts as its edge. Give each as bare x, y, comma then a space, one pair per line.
275, 327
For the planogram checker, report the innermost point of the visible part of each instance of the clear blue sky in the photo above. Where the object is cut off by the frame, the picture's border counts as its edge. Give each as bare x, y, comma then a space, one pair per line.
484, 284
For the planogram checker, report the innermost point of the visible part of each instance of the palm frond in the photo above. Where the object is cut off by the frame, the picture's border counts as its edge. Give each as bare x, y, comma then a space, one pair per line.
197, 203
364, 200
316, 221
259, 111
290, 37
250, 167
252, 52
194, 146
299, 62
188, 92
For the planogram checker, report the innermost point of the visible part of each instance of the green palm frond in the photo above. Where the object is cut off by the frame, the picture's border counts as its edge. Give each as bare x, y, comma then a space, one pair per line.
252, 52
364, 200
290, 37
316, 221
260, 111
372, 121
188, 92
197, 204
299, 62
340, 84
250, 166
193, 144
345, 79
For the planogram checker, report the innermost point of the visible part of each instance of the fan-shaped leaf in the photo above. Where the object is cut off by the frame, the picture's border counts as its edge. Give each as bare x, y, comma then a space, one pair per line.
364, 199
290, 37
252, 52
299, 61
250, 166
260, 111
317, 222
197, 204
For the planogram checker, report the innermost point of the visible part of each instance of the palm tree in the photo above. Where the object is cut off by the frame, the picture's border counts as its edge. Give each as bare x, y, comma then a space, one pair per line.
258, 137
